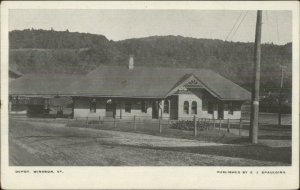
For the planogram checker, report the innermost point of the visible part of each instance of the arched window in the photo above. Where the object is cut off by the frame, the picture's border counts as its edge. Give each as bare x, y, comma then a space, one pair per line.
194, 107
166, 106
186, 107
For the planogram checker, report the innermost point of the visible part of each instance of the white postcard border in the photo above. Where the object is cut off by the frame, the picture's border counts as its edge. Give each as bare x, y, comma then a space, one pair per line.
148, 177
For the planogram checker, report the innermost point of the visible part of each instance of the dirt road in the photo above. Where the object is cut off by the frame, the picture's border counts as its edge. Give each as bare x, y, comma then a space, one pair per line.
41, 144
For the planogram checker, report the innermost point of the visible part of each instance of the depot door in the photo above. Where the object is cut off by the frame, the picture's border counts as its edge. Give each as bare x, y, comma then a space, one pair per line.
155, 110
220, 111
110, 109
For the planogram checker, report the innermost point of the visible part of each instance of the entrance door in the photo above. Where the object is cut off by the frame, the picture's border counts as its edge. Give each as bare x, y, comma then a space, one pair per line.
155, 110
110, 109
220, 111
60, 111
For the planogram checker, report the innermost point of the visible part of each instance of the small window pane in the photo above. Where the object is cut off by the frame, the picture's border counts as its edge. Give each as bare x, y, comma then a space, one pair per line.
186, 107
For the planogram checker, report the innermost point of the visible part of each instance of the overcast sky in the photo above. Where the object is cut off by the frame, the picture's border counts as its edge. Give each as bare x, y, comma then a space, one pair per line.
124, 24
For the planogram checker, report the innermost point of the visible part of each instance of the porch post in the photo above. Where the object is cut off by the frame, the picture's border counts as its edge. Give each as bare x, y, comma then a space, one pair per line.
159, 109
121, 109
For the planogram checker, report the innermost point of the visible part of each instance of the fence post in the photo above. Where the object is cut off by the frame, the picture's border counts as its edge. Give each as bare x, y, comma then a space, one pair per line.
87, 121
207, 123
195, 126
159, 124
214, 123
241, 126
228, 125
134, 122
220, 124
115, 124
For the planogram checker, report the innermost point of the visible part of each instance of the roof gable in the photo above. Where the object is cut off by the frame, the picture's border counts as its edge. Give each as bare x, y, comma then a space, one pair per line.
187, 81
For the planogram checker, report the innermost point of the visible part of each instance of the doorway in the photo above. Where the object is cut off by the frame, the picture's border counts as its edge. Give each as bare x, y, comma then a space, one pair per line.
60, 111
155, 110
110, 109
220, 111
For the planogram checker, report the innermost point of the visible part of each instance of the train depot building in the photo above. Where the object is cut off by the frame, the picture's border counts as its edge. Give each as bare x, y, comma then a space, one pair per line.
127, 91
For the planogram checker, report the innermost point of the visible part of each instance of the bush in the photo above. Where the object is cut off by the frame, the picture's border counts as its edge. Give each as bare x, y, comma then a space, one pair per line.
94, 122
189, 125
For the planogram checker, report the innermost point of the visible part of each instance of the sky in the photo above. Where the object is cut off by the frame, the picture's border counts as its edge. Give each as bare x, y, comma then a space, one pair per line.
124, 24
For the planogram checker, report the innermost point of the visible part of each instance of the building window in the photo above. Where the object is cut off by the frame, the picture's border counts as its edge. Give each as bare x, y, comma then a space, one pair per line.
230, 108
194, 107
166, 106
93, 106
210, 108
186, 107
60, 108
46, 105
204, 105
143, 107
128, 107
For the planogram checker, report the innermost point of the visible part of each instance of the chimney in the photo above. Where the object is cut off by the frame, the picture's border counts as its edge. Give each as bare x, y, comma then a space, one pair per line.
131, 62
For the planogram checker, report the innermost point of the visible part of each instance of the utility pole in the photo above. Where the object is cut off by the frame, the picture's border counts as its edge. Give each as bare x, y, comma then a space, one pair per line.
256, 81
280, 97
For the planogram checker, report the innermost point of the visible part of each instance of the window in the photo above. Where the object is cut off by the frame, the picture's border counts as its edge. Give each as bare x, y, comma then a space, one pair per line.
204, 105
46, 104
230, 108
143, 107
60, 108
186, 107
210, 108
93, 106
128, 107
166, 106
194, 107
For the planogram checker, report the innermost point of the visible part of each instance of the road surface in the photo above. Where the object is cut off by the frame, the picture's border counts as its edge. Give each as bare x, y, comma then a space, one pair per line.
50, 144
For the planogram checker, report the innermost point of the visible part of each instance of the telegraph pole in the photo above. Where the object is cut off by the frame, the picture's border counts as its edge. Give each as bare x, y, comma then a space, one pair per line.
256, 81
280, 97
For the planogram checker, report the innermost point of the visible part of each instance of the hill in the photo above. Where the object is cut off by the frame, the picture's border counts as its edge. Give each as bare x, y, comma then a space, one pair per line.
71, 52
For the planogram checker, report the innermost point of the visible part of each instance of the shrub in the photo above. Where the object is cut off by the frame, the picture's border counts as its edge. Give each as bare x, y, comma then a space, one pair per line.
189, 125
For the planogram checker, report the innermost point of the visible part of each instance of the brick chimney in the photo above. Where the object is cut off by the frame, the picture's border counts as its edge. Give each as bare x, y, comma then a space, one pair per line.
131, 62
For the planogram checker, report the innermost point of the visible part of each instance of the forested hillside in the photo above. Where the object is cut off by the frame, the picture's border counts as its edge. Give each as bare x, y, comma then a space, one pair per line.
63, 51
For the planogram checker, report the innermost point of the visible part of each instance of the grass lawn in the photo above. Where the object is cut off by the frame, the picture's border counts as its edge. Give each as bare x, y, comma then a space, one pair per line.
151, 127
38, 143
212, 135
